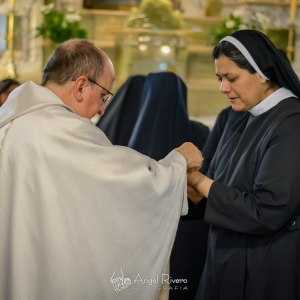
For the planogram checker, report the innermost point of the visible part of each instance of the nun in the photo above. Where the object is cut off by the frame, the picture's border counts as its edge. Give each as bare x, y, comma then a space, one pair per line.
251, 193
6, 87
122, 112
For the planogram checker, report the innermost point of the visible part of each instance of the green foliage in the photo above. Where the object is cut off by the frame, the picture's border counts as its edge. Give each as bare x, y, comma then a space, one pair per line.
227, 26
60, 26
234, 22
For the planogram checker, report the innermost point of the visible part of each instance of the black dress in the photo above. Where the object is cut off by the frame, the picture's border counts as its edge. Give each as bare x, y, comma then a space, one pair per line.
227, 117
121, 114
254, 208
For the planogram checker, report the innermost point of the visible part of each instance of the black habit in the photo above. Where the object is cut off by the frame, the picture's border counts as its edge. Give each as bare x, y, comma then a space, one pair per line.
254, 206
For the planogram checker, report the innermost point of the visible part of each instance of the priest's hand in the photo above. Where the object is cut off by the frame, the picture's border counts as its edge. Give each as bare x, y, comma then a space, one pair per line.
192, 155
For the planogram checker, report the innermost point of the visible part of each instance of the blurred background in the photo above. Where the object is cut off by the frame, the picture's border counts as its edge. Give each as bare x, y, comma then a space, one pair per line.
143, 36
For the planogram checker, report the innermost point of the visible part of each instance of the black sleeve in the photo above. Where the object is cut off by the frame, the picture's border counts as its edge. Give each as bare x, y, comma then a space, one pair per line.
213, 139
195, 211
275, 195
199, 133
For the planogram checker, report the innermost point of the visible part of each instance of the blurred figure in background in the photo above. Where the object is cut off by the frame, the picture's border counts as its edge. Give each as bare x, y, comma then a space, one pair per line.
153, 119
163, 118
122, 112
6, 87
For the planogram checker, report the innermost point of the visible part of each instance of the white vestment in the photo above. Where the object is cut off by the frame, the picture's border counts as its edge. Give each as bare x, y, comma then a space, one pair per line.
81, 219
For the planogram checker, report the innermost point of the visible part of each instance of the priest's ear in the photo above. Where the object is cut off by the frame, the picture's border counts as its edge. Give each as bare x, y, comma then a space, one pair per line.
81, 85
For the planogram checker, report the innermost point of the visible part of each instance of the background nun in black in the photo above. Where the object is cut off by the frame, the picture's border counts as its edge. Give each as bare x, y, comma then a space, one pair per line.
252, 191
122, 112
163, 124
163, 118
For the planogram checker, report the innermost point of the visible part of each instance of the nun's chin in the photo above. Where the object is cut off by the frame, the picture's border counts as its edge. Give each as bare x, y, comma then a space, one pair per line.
237, 107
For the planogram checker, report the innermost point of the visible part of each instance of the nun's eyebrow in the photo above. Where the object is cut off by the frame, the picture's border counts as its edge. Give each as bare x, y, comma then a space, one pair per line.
226, 74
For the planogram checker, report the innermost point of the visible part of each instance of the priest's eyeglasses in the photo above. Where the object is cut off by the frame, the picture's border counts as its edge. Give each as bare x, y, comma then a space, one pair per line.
105, 98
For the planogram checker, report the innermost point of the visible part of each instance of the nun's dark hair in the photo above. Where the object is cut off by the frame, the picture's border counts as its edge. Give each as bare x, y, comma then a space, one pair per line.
234, 54
229, 50
6, 83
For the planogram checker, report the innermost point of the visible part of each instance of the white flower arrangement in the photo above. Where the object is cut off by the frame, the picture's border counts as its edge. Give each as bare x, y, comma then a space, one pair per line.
235, 22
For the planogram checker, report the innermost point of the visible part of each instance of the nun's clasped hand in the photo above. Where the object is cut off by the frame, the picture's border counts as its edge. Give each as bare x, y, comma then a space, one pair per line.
192, 155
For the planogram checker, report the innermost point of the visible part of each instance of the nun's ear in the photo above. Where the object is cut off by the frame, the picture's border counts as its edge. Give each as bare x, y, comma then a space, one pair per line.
262, 80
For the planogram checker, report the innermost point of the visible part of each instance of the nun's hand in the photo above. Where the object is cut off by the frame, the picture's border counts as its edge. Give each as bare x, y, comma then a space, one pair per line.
193, 179
198, 185
192, 155
194, 195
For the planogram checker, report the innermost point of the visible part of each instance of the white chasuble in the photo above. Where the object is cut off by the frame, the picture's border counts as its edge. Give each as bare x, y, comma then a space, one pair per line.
81, 219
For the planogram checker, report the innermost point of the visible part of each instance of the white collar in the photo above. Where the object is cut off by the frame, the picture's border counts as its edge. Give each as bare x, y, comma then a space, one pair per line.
271, 101
95, 119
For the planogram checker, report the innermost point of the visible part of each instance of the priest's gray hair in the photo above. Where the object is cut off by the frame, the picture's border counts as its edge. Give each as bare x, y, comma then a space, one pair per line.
72, 59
